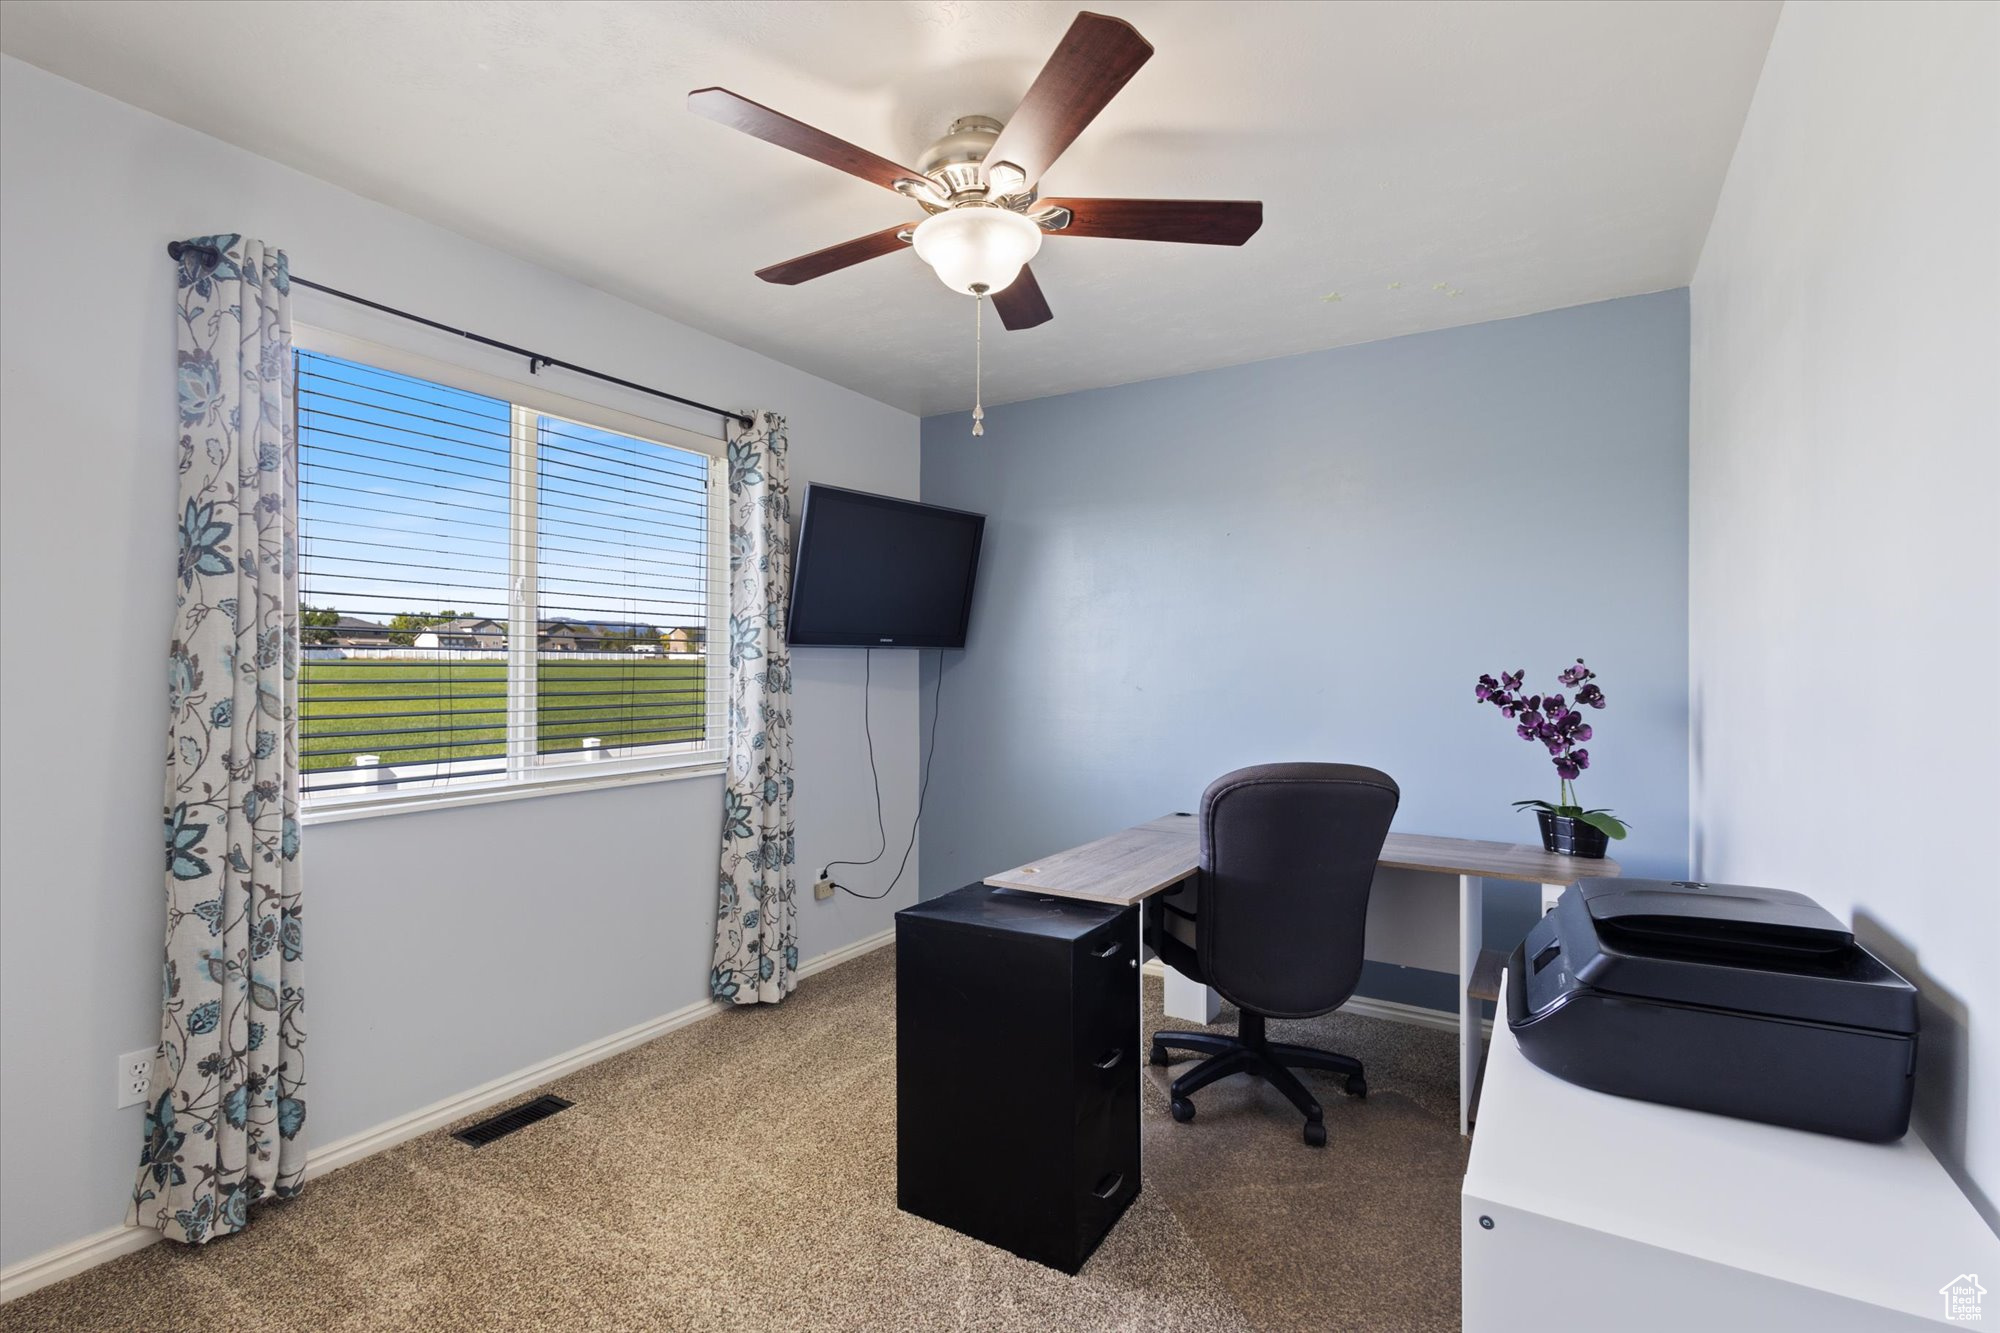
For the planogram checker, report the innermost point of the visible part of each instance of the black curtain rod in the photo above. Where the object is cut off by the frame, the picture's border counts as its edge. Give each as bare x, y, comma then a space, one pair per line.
536, 360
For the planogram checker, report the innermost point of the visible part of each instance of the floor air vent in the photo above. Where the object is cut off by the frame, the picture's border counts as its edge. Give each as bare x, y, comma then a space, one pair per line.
520, 1117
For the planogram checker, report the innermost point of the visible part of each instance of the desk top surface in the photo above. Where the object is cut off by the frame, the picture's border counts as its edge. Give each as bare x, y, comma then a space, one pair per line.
1876, 1222
1138, 862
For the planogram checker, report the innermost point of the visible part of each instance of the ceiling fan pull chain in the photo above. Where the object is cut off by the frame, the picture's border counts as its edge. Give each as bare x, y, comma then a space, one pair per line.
978, 362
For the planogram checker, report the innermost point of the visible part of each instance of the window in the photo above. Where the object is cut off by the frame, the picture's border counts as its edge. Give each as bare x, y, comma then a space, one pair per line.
495, 595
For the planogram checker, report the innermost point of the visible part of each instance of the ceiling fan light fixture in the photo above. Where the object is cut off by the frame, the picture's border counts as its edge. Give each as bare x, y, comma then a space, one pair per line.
977, 249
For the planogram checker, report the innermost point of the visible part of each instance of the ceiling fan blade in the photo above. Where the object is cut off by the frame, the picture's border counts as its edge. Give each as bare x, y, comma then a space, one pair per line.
740, 113
1020, 304
1097, 57
1190, 221
822, 262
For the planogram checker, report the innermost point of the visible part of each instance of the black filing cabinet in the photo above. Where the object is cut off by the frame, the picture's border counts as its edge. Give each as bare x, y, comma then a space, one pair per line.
1017, 1069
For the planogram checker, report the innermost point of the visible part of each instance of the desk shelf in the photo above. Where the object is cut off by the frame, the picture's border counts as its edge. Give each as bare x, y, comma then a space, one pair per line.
1485, 983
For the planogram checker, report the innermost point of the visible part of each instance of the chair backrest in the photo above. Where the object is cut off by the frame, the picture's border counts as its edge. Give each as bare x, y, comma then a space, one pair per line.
1288, 853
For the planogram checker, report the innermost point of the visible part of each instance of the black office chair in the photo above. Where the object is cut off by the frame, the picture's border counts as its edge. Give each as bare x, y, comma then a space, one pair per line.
1274, 919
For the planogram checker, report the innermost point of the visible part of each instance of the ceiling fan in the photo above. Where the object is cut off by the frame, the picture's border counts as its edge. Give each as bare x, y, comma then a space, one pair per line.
977, 183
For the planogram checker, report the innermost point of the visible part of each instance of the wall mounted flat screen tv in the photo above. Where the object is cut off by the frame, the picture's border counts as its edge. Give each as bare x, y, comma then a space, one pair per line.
875, 572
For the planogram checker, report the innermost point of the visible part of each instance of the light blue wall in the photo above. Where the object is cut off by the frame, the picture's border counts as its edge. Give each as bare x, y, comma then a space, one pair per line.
1314, 558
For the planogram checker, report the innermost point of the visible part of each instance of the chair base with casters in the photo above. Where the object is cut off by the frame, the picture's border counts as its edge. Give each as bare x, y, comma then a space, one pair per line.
1250, 1052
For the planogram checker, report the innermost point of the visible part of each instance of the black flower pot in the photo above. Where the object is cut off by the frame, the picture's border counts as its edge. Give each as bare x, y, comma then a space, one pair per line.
1566, 835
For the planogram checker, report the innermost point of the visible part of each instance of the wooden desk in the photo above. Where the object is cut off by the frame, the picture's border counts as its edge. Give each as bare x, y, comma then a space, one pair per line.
1120, 870
1140, 861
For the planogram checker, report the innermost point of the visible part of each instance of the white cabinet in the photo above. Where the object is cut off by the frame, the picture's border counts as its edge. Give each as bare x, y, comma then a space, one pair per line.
1582, 1210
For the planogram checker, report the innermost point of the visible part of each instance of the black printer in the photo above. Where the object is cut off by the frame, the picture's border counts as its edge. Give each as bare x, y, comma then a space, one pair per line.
1755, 1003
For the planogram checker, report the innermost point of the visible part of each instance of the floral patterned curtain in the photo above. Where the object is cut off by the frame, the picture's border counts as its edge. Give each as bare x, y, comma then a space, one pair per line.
756, 915
228, 1092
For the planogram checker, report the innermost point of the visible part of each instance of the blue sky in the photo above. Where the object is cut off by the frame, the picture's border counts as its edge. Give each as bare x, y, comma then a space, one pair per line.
404, 498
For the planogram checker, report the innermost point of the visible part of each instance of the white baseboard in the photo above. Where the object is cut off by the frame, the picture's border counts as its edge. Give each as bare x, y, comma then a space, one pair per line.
1393, 1010
835, 957
68, 1260
353, 1148
1398, 1012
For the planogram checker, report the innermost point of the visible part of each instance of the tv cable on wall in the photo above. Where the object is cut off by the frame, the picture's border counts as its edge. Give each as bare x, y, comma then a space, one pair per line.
874, 571
875, 776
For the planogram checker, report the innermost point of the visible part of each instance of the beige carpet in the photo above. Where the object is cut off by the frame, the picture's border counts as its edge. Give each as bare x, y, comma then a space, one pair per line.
740, 1174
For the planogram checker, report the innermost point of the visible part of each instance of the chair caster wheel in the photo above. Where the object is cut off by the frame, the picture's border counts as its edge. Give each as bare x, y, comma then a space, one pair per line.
1183, 1109
1315, 1134
1357, 1086
1158, 1057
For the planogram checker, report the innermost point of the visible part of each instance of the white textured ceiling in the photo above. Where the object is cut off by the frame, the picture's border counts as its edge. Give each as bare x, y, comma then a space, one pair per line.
1432, 164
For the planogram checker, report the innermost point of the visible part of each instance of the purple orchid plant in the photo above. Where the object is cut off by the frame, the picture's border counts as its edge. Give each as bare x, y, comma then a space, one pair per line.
1556, 722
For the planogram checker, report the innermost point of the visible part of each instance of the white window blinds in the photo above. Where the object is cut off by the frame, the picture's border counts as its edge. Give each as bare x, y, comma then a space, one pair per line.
494, 595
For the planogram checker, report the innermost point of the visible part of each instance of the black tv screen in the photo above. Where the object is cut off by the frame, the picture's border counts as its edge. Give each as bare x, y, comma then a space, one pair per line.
875, 572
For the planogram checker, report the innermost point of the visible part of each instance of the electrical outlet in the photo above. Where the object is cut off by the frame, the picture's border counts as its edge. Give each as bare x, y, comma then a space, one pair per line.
824, 889
135, 1077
